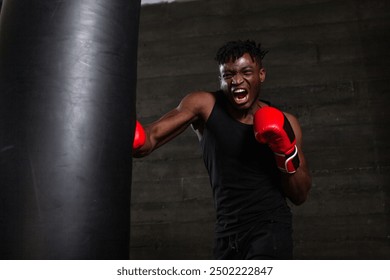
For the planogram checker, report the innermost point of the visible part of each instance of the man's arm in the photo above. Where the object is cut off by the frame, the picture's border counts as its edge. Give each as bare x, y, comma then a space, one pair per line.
282, 133
296, 186
193, 107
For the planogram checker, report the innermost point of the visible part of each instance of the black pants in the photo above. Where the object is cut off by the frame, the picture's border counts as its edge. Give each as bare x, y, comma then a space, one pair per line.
266, 240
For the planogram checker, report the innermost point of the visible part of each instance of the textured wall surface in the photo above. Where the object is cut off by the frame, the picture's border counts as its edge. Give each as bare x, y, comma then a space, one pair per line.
328, 64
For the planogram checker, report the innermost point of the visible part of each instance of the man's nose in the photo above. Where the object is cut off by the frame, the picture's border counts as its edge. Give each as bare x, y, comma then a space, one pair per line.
237, 79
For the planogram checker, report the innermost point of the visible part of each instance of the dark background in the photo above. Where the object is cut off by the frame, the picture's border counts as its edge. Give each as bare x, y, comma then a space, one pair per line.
328, 64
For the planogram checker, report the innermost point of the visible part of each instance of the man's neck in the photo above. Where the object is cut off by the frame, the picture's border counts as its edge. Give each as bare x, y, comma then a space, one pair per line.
245, 115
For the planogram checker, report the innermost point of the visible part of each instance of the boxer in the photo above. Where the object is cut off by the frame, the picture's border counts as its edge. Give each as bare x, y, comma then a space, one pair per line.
252, 151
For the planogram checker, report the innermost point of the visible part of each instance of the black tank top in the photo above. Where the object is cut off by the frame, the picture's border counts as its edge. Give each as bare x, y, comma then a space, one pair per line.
244, 177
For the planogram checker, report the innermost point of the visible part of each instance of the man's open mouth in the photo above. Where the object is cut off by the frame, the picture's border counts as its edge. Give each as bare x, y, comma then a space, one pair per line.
240, 95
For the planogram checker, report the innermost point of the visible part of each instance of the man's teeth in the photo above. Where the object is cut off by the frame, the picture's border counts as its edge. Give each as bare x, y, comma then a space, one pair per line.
240, 94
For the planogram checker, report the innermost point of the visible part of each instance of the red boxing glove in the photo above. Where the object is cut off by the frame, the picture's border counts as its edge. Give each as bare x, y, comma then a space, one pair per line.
139, 136
273, 128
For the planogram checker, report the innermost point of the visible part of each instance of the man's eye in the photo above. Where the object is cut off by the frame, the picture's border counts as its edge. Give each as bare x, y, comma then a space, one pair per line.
227, 76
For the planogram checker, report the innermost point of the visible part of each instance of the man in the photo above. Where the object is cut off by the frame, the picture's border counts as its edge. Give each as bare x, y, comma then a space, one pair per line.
252, 151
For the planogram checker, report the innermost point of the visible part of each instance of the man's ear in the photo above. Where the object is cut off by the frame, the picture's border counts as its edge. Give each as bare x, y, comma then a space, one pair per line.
262, 74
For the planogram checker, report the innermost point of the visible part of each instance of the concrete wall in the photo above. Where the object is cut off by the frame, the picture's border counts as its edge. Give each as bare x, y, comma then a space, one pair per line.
328, 64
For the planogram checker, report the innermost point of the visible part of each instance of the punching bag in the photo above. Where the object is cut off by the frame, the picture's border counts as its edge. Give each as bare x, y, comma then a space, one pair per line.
67, 117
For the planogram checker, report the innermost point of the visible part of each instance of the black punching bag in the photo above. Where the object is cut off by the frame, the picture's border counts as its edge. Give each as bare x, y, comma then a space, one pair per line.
67, 115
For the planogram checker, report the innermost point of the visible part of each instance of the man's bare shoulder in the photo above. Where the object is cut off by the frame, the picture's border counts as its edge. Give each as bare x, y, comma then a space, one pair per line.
199, 100
200, 103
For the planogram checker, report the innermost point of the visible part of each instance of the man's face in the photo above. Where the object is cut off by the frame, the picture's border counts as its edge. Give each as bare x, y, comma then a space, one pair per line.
241, 80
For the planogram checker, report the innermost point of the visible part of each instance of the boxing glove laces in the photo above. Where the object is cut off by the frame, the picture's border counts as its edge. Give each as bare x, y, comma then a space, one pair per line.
139, 136
271, 127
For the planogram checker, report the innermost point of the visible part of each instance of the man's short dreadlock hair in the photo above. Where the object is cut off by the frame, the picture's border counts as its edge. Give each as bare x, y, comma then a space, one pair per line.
235, 49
